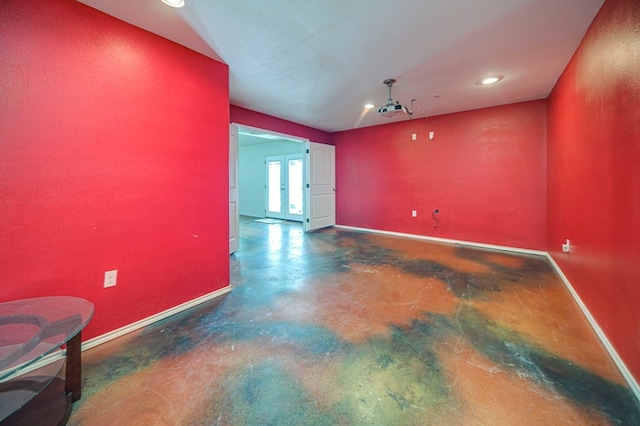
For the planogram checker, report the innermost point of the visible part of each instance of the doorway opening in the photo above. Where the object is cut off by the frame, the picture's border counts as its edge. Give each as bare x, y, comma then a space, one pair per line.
271, 178
303, 180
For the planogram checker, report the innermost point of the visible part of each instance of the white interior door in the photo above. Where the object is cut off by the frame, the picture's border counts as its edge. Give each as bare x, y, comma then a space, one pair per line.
234, 211
321, 186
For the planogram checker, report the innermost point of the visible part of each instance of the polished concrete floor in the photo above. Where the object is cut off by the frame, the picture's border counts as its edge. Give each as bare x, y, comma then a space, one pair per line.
347, 328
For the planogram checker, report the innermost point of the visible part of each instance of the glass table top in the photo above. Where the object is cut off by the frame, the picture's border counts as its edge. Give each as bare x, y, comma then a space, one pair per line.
33, 328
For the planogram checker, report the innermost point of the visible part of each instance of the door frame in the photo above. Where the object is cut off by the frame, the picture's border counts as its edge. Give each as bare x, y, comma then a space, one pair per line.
305, 144
234, 210
271, 134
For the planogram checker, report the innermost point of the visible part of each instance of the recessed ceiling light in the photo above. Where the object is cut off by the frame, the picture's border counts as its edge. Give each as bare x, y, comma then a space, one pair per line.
489, 80
369, 106
174, 3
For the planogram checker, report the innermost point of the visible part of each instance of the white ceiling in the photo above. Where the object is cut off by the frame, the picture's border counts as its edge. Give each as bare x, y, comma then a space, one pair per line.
317, 62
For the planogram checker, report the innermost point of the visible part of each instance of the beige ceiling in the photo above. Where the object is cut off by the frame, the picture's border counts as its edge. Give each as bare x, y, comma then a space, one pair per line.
317, 62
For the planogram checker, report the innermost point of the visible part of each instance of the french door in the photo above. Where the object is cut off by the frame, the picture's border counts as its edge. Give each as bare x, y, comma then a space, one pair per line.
285, 175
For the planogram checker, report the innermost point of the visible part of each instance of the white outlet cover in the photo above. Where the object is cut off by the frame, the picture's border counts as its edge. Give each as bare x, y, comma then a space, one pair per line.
110, 278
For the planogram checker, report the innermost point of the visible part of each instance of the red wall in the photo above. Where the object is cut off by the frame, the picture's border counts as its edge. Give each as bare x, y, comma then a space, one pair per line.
594, 174
267, 122
485, 172
113, 155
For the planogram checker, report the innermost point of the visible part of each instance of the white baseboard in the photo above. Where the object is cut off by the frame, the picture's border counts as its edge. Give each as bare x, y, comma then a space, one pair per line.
633, 384
449, 241
59, 354
153, 318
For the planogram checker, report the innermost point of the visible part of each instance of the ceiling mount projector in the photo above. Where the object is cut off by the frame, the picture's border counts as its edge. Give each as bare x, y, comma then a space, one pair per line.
393, 108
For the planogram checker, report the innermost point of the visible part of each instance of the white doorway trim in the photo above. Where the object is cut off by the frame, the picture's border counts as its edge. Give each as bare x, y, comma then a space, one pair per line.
268, 134
234, 210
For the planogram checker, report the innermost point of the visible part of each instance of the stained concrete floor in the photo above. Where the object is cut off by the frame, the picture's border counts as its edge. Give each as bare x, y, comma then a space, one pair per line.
348, 328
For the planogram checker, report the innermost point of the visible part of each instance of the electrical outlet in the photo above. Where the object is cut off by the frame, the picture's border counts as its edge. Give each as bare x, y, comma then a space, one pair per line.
436, 211
414, 136
566, 247
414, 213
110, 278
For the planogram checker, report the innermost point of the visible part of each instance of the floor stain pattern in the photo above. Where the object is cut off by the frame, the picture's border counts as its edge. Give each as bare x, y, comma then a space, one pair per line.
339, 327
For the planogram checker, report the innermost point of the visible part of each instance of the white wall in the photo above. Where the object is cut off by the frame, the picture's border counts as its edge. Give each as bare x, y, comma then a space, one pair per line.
252, 174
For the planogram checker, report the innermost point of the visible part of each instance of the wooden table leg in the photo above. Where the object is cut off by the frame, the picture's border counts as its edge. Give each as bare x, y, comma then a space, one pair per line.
73, 373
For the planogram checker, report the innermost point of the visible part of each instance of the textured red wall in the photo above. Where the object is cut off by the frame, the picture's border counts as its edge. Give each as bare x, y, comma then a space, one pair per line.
594, 174
267, 122
485, 172
113, 155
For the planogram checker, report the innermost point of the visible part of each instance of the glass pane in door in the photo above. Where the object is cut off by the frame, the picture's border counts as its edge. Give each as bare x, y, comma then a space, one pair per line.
274, 193
295, 185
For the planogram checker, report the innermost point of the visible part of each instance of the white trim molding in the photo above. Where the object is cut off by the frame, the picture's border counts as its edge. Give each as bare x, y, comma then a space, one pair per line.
153, 318
448, 241
633, 384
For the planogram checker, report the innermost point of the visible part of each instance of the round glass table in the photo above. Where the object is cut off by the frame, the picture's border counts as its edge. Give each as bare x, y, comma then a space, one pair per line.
30, 329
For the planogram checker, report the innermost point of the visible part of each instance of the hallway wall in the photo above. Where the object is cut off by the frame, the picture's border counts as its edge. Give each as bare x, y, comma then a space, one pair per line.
594, 174
113, 155
485, 171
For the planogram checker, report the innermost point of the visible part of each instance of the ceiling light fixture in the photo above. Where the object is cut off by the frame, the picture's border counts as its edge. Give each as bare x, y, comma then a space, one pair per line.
174, 3
369, 106
489, 80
